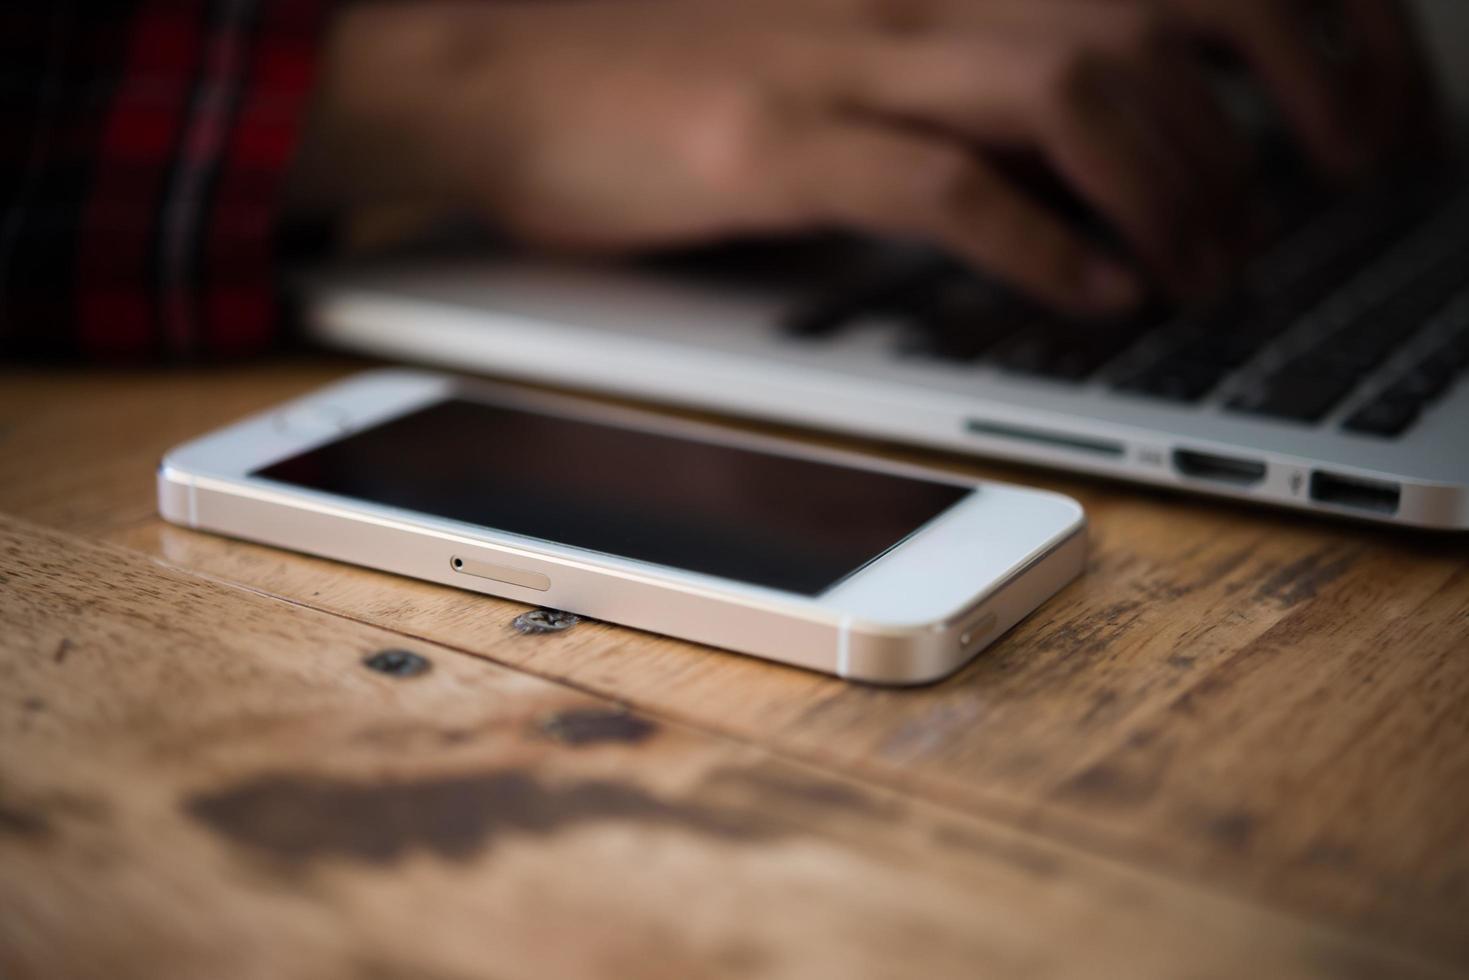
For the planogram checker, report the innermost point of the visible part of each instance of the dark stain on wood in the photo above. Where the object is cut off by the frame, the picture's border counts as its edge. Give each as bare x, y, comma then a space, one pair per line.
1235, 829
1304, 579
33, 704
62, 649
27, 824
592, 726
299, 818
1108, 783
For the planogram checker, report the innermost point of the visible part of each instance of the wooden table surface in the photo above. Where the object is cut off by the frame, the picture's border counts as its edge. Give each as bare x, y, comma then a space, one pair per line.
1237, 747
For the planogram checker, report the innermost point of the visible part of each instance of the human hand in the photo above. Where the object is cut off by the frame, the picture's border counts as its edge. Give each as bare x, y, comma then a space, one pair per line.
1349, 75
615, 125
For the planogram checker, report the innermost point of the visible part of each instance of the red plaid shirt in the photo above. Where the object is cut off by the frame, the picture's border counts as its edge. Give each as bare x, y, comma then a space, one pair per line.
143, 150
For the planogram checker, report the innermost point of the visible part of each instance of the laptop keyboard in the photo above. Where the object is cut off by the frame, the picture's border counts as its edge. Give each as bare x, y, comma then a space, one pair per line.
1339, 306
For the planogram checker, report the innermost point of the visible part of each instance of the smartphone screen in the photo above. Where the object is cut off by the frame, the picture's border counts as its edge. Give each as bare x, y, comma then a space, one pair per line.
787, 523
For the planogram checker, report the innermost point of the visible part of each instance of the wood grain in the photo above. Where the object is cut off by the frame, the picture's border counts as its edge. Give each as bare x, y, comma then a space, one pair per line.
1261, 704
200, 781
1308, 751
79, 449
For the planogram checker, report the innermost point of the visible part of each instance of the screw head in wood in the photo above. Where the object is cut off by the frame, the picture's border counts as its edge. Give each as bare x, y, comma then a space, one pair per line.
397, 663
544, 621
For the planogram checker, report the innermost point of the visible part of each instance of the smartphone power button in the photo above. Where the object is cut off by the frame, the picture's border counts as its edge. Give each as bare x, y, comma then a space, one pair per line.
500, 573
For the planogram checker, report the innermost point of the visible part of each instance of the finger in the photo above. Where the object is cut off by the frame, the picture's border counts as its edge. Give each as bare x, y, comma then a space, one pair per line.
1274, 38
1187, 112
1216, 150
1395, 81
1165, 73
1090, 123
880, 179
1104, 143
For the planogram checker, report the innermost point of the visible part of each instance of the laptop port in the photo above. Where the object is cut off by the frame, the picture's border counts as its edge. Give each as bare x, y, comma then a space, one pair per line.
1218, 469
1046, 438
1351, 491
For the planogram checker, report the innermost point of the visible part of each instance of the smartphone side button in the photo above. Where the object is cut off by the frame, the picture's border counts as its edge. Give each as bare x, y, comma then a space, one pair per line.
500, 573
976, 629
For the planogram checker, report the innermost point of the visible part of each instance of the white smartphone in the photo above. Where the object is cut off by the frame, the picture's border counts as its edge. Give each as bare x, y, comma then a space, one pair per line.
827, 560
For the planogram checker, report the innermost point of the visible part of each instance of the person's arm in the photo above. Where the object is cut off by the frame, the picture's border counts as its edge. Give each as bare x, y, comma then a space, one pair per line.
146, 150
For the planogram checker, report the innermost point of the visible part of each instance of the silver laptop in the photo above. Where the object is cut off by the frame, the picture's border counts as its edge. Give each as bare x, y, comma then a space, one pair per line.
1334, 380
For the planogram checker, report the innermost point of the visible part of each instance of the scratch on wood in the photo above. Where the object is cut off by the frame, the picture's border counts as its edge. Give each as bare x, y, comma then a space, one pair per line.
1092, 633
298, 818
589, 726
1305, 578
763, 787
1101, 706
1016, 854
1229, 564
415, 737
941, 724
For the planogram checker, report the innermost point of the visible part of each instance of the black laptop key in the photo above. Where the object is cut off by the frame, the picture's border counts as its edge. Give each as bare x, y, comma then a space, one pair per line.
876, 288
1385, 417
1295, 397
1350, 353
826, 314
1424, 383
962, 341
1070, 350
1452, 350
1176, 380
820, 317
1454, 353
1045, 356
960, 318
1226, 348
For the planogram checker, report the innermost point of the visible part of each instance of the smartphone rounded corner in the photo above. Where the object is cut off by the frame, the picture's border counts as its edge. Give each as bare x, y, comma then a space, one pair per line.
399, 376
922, 653
1069, 515
372, 395
175, 494
909, 658
1077, 522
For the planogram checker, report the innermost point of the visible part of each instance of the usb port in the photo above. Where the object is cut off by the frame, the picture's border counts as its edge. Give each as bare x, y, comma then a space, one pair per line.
1218, 469
1351, 491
